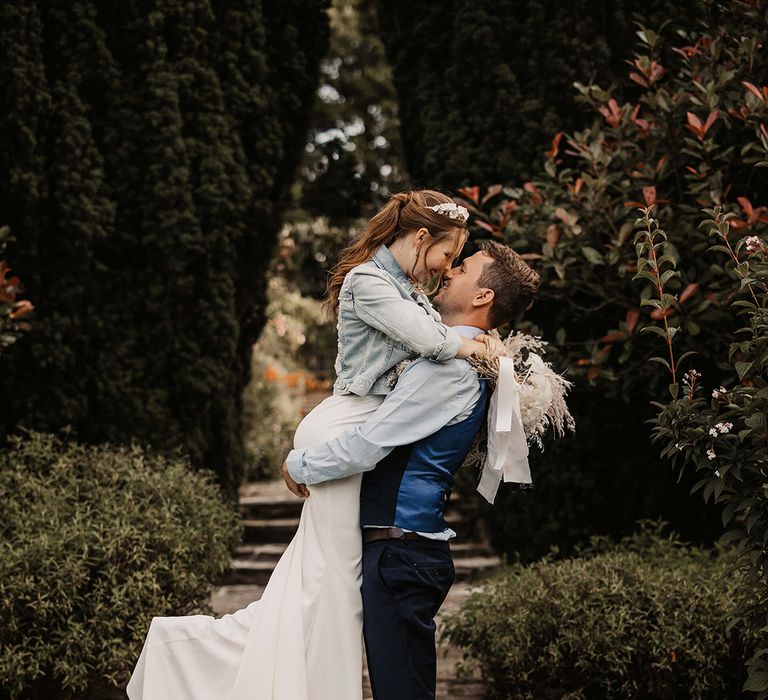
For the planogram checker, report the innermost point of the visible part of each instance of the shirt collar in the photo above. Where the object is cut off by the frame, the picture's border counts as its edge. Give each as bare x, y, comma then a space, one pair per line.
386, 261
468, 331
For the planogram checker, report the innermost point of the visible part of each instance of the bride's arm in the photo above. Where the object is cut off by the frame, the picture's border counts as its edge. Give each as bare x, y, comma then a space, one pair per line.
377, 303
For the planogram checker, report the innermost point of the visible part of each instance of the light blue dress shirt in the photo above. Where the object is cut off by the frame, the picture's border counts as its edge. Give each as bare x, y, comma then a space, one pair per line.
428, 396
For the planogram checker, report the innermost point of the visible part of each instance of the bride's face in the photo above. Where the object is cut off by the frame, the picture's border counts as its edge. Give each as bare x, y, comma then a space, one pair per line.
435, 258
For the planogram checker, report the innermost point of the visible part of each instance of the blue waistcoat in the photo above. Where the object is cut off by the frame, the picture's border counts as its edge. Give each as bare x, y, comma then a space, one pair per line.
410, 487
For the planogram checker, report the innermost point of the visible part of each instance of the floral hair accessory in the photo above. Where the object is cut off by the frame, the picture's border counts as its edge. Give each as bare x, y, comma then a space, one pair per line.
452, 211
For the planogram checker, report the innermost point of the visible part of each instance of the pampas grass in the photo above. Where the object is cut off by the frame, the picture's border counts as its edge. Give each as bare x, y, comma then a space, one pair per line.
543, 391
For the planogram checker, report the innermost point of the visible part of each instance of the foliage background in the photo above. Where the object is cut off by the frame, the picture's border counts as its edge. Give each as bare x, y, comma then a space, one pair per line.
96, 541
622, 134
484, 84
146, 150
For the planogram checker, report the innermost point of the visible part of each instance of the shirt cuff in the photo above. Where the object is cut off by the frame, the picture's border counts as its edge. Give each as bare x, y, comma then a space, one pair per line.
451, 346
297, 467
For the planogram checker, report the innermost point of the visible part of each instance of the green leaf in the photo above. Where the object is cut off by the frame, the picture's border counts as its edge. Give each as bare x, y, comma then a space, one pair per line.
592, 255
685, 355
655, 329
668, 275
645, 276
661, 361
757, 681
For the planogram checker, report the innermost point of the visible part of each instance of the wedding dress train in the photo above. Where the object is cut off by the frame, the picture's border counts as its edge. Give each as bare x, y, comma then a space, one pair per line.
303, 639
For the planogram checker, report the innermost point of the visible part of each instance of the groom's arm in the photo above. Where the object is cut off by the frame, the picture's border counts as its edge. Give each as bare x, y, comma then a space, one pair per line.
428, 396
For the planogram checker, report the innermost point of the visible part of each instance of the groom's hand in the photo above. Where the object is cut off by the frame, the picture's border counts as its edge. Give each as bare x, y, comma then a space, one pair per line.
299, 490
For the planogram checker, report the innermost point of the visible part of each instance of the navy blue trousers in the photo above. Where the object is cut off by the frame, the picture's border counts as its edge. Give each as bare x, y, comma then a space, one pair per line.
404, 584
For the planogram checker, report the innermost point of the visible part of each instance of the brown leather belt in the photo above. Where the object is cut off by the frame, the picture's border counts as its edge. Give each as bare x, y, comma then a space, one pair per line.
371, 534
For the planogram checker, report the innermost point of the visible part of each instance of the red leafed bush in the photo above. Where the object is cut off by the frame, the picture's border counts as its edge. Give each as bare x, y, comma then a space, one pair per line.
686, 135
12, 310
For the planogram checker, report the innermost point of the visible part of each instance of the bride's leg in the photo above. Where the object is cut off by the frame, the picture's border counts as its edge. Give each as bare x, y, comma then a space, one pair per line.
334, 616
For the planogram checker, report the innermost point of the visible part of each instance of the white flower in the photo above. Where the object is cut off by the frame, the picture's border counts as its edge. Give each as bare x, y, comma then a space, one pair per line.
754, 244
678, 446
717, 473
723, 427
719, 393
690, 377
713, 432
711, 454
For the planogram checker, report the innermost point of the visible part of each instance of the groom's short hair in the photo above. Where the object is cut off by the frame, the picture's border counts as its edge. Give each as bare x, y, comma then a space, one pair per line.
513, 281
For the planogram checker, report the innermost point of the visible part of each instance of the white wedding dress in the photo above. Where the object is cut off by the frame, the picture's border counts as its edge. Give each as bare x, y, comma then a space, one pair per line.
303, 639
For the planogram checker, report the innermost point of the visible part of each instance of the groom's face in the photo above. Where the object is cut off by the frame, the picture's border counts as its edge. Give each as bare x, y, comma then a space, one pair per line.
461, 284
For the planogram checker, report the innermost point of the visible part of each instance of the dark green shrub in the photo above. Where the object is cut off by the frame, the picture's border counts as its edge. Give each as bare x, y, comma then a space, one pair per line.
480, 99
95, 542
646, 619
718, 437
684, 129
146, 155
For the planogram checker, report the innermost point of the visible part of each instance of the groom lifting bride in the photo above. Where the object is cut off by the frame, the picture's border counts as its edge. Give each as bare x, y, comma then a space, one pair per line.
302, 639
410, 448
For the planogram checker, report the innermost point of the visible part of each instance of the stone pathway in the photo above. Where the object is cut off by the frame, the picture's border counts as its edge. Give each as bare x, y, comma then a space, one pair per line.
270, 517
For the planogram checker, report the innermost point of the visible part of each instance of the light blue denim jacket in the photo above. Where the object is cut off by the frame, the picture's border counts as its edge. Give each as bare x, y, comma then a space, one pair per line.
383, 320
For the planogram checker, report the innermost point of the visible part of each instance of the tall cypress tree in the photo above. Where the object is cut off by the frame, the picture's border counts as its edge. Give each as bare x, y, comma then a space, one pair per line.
484, 85
159, 173
26, 108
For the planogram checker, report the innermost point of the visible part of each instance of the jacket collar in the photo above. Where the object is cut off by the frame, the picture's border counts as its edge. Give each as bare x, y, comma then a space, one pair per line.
386, 261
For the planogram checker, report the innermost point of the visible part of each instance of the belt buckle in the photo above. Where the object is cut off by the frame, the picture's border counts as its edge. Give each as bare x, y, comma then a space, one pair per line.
396, 533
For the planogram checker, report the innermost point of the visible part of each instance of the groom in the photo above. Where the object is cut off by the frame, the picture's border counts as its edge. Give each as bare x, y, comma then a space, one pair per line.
416, 440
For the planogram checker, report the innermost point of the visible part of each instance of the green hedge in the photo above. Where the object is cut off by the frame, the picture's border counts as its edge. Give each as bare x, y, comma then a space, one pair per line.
95, 542
483, 85
601, 480
146, 153
646, 619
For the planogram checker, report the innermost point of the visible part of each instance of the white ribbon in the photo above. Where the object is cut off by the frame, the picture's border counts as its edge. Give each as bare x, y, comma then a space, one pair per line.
507, 457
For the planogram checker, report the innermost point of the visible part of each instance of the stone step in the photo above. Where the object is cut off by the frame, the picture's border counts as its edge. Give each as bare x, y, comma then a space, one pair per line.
281, 530
248, 571
262, 507
273, 552
260, 552
472, 568
268, 507
473, 548
269, 531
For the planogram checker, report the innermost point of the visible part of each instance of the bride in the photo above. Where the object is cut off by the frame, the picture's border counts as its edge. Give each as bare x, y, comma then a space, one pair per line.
303, 639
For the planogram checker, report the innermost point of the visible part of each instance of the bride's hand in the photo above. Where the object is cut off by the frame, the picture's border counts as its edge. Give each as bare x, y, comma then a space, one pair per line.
469, 347
492, 344
299, 490
484, 343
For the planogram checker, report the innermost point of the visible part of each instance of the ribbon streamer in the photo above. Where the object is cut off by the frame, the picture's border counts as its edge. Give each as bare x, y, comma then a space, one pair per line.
507, 457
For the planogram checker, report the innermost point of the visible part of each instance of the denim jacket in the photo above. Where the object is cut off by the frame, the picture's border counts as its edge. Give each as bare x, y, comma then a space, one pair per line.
383, 320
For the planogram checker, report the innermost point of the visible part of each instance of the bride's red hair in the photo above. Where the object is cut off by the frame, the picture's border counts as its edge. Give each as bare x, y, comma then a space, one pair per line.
403, 213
